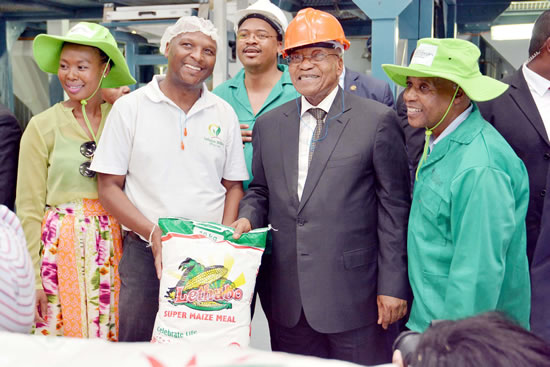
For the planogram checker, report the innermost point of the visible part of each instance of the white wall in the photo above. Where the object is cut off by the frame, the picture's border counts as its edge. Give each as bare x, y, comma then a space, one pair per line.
353, 57
514, 51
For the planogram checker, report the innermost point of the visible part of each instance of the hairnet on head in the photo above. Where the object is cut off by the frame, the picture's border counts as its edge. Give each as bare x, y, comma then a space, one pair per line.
188, 24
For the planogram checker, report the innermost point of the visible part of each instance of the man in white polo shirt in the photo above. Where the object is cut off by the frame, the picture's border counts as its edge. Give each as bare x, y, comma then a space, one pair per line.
171, 148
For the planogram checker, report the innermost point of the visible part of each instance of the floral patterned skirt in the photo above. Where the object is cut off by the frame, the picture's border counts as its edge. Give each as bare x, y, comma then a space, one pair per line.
81, 247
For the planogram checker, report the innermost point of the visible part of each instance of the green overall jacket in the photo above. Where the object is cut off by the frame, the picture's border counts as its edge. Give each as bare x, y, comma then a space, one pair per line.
467, 236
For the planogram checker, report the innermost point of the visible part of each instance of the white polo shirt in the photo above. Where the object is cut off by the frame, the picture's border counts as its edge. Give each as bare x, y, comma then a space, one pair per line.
143, 138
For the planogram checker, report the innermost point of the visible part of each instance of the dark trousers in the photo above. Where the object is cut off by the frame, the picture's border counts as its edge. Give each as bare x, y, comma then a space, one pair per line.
139, 291
368, 345
263, 289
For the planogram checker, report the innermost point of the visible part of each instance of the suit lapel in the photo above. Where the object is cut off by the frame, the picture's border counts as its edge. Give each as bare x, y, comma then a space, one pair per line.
290, 132
520, 93
336, 121
350, 79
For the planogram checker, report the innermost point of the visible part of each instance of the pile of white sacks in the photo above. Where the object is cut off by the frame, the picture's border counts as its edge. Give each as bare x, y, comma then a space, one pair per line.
32, 350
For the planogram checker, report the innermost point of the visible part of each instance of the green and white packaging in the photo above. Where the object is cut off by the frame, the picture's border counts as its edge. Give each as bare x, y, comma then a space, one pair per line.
207, 283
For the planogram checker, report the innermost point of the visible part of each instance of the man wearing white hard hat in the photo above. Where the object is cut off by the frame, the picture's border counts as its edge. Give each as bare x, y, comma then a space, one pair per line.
262, 84
171, 148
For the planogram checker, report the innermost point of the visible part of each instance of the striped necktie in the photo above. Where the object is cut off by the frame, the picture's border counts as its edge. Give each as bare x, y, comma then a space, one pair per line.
319, 115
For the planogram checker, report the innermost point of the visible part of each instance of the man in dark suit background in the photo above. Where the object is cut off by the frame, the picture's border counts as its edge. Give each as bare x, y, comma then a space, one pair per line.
10, 136
540, 274
367, 86
522, 116
414, 137
335, 186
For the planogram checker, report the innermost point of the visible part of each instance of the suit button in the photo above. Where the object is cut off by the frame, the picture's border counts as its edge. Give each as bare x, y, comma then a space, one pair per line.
547, 156
543, 193
300, 221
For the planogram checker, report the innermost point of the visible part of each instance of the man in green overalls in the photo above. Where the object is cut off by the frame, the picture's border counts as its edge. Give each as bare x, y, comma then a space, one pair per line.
466, 236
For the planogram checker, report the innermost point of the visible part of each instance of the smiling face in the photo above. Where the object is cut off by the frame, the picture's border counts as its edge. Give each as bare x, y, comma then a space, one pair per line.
80, 70
251, 49
191, 58
427, 99
316, 79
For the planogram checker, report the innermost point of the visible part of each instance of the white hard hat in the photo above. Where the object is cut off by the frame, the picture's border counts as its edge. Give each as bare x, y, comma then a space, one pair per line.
266, 10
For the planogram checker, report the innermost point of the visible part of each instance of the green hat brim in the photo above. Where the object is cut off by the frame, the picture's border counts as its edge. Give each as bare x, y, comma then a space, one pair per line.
479, 88
47, 51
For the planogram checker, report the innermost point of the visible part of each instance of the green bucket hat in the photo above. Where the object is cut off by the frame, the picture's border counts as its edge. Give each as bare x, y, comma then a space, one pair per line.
47, 50
451, 59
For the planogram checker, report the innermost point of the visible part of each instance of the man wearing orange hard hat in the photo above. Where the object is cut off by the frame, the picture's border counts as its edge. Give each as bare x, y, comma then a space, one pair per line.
330, 174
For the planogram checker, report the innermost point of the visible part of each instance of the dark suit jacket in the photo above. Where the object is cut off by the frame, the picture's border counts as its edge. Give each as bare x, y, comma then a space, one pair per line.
345, 241
515, 115
414, 137
540, 275
368, 87
10, 136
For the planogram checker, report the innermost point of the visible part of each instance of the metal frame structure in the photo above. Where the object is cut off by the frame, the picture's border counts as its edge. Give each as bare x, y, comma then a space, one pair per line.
387, 20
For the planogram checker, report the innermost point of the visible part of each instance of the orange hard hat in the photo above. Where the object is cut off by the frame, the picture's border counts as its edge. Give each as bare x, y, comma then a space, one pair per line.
311, 26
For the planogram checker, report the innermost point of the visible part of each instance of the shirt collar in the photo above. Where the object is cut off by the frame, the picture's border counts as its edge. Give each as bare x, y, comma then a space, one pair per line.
536, 83
156, 95
285, 79
325, 104
342, 78
238, 79
452, 126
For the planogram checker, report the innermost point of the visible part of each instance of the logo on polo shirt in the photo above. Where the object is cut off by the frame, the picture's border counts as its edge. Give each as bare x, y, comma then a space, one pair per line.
214, 130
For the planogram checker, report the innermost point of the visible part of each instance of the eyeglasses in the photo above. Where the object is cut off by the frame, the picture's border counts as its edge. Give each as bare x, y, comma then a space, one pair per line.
315, 57
87, 149
259, 36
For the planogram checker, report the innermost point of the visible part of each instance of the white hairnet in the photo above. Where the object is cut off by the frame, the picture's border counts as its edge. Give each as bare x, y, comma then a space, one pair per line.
188, 24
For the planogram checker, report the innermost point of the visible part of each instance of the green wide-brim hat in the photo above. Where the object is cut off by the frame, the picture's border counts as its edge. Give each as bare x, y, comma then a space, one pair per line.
452, 59
47, 50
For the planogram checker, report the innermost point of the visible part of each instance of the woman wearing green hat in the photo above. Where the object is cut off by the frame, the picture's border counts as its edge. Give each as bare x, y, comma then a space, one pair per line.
74, 243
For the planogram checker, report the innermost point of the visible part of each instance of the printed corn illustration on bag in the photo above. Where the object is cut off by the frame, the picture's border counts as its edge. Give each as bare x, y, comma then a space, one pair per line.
207, 282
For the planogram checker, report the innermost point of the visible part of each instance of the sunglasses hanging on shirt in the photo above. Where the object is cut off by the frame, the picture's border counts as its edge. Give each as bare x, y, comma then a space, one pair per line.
87, 149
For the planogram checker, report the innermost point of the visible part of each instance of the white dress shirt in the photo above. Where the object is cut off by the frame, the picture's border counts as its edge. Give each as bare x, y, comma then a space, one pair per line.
342, 78
307, 127
538, 86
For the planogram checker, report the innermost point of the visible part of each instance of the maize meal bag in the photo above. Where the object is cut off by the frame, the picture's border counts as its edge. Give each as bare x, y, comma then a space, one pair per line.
207, 283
